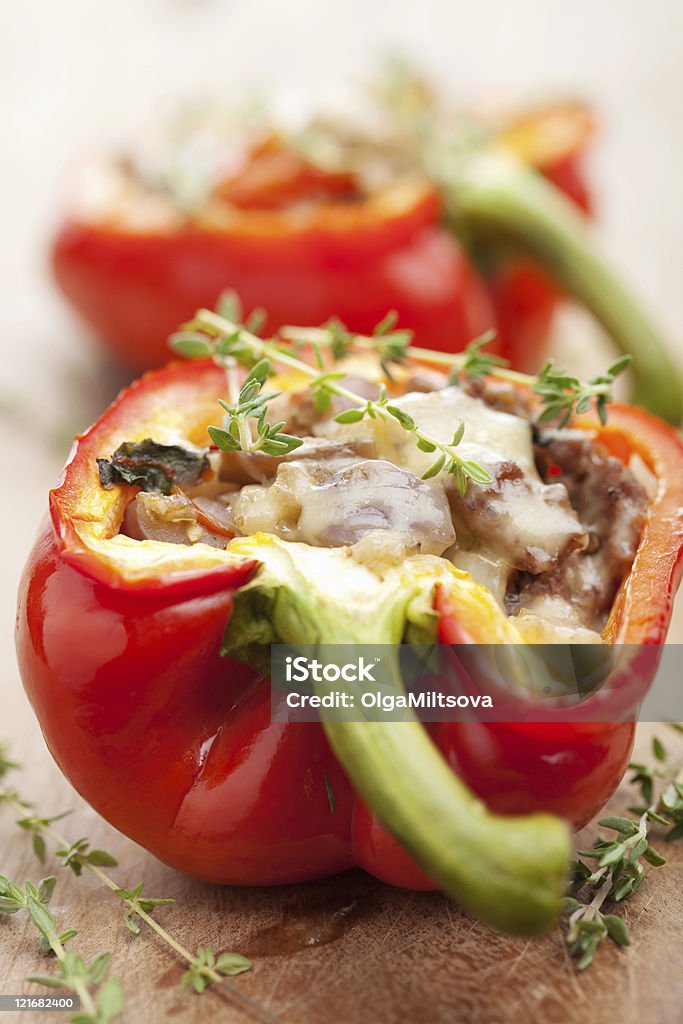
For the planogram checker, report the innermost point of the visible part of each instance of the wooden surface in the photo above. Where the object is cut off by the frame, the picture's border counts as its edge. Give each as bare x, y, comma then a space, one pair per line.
356, 951
347, 949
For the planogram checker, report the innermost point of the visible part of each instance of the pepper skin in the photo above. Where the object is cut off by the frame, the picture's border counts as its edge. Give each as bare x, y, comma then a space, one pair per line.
119, 642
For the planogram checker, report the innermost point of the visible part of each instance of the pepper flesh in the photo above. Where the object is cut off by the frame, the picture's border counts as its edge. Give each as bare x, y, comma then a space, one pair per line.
176, 746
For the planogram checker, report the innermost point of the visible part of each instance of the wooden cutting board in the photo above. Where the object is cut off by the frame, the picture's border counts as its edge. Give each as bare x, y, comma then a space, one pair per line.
346, 949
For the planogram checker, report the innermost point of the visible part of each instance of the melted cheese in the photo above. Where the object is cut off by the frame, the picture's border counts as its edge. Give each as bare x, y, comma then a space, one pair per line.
490, 436
339, 502
487, 570
528, 520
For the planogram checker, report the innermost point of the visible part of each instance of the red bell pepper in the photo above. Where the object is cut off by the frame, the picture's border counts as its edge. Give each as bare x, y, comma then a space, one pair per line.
119, 645
358, 258
341, 253
306, 244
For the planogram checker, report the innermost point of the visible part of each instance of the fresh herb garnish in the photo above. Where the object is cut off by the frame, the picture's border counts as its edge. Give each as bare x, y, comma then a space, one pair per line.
476, 362
73, 973
666, 808
619, 870
236, 433
153, 466
233, 340
389, 345
204, 967
229, 342
207, 964
563, 394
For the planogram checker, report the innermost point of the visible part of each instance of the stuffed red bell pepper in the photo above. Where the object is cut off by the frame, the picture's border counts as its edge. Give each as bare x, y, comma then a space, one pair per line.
450, 225
344, 507
302, 241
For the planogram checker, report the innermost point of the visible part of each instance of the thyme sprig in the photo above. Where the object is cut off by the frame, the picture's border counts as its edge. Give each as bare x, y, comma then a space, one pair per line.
228, 342
661, 789
225, 338
477, 363
73, 973
389, 345
236, 433
205, 967
619, 870
561, 393
447, 459
564, 394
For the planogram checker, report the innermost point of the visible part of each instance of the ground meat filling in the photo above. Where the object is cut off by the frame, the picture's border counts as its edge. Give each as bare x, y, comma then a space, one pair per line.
552, 535
500, 395
485, 511
610, 503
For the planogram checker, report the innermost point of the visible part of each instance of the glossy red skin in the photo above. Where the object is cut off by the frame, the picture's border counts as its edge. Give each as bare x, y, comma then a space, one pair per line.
568, 769
135, 289
127, 719
128, 716
176, 747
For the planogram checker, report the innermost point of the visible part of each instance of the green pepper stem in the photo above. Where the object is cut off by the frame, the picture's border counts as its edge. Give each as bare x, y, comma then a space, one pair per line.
508, 871
494, 193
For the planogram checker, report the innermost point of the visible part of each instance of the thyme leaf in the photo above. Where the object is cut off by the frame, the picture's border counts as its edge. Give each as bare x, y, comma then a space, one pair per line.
617, 871
73, 972
211, 968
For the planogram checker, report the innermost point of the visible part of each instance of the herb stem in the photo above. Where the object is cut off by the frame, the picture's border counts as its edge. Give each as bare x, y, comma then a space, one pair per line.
268, 350
233, 380
600, 896
265, 349
247, 1003
80, 987
245, 434
453, 360
147, 918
